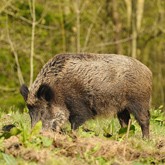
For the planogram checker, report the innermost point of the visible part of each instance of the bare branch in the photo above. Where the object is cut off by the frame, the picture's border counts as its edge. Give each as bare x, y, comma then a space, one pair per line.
30, 7
83, 6
126, 138
19, 72
42, 15
29, 21
111, 43
90, 28
5, 6
20, 17
6, 89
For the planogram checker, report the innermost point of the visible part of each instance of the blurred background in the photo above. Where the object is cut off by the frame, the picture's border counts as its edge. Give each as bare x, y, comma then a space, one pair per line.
33, 31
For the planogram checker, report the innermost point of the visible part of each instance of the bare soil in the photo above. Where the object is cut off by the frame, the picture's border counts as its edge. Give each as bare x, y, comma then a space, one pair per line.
72, 146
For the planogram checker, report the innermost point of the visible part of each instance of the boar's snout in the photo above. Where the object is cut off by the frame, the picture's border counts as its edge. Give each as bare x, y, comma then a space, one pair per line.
58, 120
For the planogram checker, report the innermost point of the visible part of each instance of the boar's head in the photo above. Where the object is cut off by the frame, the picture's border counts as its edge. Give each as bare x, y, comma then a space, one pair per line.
42, 106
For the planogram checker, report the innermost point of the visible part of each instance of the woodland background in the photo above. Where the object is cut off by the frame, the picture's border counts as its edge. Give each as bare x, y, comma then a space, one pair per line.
31, 32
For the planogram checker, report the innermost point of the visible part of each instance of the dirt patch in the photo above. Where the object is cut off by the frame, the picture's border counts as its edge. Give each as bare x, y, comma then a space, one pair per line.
14, 147
73, 146
108, 149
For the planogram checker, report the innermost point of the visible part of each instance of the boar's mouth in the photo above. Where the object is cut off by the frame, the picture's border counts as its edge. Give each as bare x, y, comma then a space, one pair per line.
57, 122
54, 126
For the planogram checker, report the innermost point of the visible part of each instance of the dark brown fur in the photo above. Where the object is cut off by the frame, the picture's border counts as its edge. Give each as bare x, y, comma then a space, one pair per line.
78, 87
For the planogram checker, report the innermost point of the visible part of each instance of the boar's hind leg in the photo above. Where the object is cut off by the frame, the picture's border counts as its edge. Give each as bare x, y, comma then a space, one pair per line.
142, 115
123, 117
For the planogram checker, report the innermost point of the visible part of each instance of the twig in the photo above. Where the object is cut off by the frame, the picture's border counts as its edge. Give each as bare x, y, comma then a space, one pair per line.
5, 6
6, 89
128, 129
30, 8
29, 21
42, 15
20, 17
111, 43
126, 138
90, 28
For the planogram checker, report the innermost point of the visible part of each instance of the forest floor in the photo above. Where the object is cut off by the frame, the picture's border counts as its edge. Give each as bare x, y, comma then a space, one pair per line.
97, 142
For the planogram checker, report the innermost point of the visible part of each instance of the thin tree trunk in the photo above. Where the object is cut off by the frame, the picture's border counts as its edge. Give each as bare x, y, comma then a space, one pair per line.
62, 27
134, 30
78, 24
116, 20
129, 11
139, 13
32, 42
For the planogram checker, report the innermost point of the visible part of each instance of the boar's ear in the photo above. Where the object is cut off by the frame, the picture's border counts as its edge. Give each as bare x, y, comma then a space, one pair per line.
24, 91
45, 92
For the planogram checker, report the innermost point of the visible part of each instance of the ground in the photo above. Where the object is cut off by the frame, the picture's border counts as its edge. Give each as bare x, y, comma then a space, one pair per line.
99, 141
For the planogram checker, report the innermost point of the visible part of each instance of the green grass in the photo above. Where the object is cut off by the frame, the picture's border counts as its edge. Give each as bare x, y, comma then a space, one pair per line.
99, 141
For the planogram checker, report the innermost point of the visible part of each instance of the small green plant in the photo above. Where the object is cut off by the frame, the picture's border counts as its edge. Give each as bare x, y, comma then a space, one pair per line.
158, 115
9, 159
12, 132
33, 138
28, 137
122, 133
108, 129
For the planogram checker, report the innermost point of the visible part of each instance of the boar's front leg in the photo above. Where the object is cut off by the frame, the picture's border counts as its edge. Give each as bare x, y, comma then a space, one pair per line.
79, 112
76, 121
123, 117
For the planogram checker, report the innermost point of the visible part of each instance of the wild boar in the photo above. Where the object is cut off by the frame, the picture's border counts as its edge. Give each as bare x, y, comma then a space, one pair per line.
78, 87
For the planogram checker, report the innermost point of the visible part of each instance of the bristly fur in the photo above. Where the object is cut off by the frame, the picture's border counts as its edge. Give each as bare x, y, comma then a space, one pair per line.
88, 85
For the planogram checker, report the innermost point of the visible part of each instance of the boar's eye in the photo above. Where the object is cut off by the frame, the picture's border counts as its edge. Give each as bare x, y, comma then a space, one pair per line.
45, 92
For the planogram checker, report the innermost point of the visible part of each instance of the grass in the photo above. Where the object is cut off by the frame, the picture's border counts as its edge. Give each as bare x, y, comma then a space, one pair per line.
99, 141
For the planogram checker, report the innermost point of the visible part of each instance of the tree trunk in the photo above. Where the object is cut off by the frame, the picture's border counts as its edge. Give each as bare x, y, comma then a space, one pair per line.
78, 24
32, 42
134, 30
117, 25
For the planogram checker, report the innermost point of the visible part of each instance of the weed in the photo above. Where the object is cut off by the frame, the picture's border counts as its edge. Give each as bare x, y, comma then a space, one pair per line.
158, 115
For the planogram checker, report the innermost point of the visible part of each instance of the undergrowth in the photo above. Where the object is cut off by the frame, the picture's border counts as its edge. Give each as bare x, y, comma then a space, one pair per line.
99, 141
